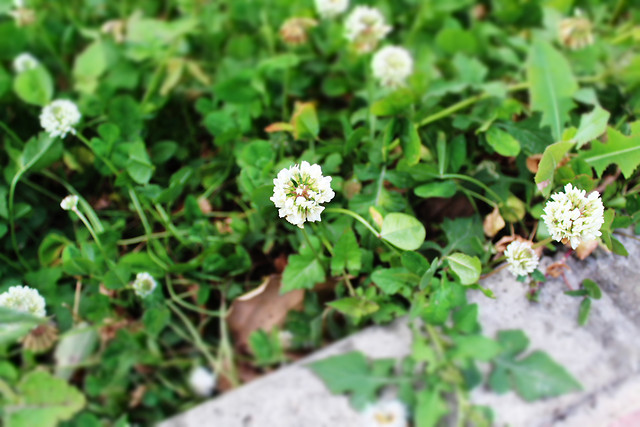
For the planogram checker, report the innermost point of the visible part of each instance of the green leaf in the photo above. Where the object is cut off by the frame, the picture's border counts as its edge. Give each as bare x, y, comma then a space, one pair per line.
393, 280
155, 319
467, 268
73, 348
34, 86
551, 85
305, 121
621, 150
592, 288
411, 143
266, 348
430, 407
466, 319
414, 262
537, 376
89, 65
551, 157
139, 166
351, 373
43, 401
583, 312
395, 103
504, 144
444, 189
476, 347
403, 231
346, 254
592, 125
354, 306
302, 272
16, 324
533, 377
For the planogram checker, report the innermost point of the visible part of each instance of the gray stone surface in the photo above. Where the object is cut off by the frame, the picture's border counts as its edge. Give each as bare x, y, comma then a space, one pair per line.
604, 355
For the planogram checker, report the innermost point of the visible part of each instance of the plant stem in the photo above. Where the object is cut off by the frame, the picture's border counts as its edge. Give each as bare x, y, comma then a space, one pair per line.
465, 103
197, 339
315, 253
187, 305
106, 161
357, 217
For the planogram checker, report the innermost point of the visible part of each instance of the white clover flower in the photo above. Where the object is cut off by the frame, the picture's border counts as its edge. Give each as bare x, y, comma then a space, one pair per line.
573, 217
576, 33
521, 258
365, 27
202, 381
60, 117
144, 285
24, 62
24, 299
392, 65
331, 8
299, 191
386, 413
69, 203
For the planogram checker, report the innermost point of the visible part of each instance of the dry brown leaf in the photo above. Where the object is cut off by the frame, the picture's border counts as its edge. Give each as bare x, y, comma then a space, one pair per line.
262, 308
204, 205
585, 249
557, 269
493, 223
533, 162
137, 395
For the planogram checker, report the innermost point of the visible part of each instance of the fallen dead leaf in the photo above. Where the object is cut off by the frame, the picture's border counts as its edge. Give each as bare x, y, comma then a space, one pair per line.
557, 269
586, 248
137, 395
262, 308
533, 162
493, 223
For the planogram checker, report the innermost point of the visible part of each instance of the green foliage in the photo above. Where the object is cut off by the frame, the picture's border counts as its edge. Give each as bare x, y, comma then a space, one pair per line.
403, 231
466, 268
622, 150
42, 400
552, 85
352, 373
534, 376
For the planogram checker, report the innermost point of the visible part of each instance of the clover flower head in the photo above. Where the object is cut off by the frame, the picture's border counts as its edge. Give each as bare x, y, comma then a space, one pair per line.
331, 8
392, 65
202, 381
294, 30
24, 299
69, 203
299, 191
576, 32
24, 62
144, 285
572, 217
386, 413
60, 117
521, 258
22, 15
365, 27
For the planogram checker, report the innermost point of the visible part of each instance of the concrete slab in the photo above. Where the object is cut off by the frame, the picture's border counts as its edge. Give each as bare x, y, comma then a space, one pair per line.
604, 355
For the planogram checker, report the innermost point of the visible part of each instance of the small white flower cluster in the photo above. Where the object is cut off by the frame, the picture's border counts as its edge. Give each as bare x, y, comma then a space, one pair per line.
24, 299
60, 117
576, 33
202, 381
24, 62
521, 258
331, 8
144, 285
392, 65
69, 203
386, 413
365, 27
574, 217
299, 191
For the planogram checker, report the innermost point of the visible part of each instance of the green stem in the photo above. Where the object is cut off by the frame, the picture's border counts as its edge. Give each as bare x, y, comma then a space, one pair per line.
465, 103
106, 161
225, 350
313, 249
11, 133
356, 217
145, 238
147, 228
187, 305
197, 339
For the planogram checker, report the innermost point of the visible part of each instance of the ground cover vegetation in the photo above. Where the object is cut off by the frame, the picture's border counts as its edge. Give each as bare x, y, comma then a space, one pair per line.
195, 192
